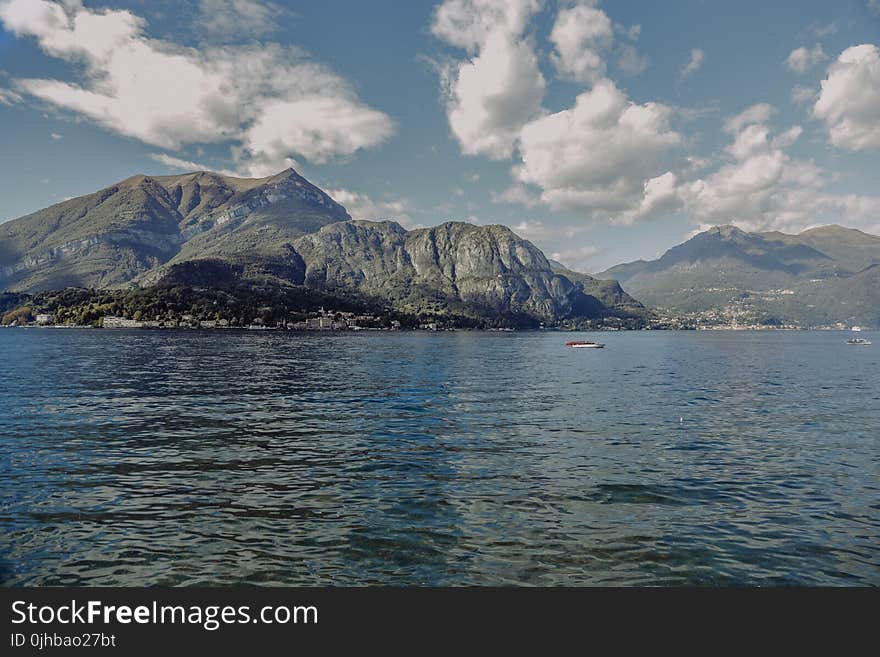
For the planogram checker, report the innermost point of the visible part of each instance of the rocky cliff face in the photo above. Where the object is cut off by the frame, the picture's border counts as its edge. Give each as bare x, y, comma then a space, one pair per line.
607, 292
455, 266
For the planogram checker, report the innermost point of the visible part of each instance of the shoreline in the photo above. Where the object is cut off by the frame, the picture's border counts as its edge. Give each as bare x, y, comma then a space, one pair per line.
255, 329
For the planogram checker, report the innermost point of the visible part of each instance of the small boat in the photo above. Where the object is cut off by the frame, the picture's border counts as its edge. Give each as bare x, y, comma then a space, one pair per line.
858, 341
857, 329
582, 344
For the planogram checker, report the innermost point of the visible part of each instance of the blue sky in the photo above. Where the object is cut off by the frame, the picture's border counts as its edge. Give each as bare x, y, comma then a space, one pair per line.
601, 131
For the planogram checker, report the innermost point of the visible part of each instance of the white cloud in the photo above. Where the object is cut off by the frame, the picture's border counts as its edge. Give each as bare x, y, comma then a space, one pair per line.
531, 229
229, 20
597, 156
499, 87
849, 100
630, 61
361, 206
788, 137
9, 97
660, 196
762, 187
801, 94
580, 35
177, 163
320, 127
468, 23
693, 65
759, 113
800, 60
578, 258
270, 101
751, 139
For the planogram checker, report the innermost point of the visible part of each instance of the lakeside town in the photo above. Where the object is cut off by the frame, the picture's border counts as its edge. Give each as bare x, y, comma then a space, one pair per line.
265, 308
323, 320
341, 320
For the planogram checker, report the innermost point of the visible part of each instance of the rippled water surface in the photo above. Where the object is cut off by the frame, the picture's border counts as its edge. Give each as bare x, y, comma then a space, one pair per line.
182, 458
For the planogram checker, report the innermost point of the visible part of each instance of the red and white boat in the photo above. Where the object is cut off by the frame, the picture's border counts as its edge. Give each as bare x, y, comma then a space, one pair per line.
584, 344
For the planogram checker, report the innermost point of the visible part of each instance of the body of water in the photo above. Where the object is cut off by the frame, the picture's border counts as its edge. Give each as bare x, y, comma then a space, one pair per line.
225, 457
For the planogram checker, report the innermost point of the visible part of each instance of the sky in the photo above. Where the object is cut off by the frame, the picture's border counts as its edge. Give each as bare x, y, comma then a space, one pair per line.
603, 132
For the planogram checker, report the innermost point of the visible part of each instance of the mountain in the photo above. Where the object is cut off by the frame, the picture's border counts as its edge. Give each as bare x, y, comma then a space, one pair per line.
820, 276
456, 267
607, 292
119, 233
209, 230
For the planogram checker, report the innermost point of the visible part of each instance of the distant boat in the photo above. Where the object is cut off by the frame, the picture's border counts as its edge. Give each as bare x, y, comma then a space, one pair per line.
857, 328
859, 341
581, 344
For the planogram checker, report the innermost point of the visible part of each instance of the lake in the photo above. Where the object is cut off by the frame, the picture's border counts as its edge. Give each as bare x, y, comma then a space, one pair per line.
466, 458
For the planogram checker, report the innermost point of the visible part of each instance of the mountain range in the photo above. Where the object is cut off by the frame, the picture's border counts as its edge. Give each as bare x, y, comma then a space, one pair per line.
204, 229
207, 229
818, 277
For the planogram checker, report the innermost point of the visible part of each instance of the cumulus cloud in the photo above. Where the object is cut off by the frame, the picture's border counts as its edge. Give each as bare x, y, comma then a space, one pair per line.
579, 258
800, 60
608, 157
693, 65
176, 163
531, 229
362, 206
751, 139
660, 196
269, 101
468, 23
596, 156
491, 94
755, 114
580, 35
230, 20
849, 100
762, 187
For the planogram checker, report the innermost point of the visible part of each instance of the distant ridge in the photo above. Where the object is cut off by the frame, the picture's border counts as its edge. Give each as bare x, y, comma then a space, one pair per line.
822, 276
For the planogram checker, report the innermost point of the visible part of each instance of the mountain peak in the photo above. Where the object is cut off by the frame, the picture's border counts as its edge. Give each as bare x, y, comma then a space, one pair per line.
145, 223
286, 174
727, 231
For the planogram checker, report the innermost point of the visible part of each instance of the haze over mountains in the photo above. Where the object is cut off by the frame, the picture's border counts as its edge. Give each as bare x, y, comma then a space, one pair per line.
205, 229
821, 276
